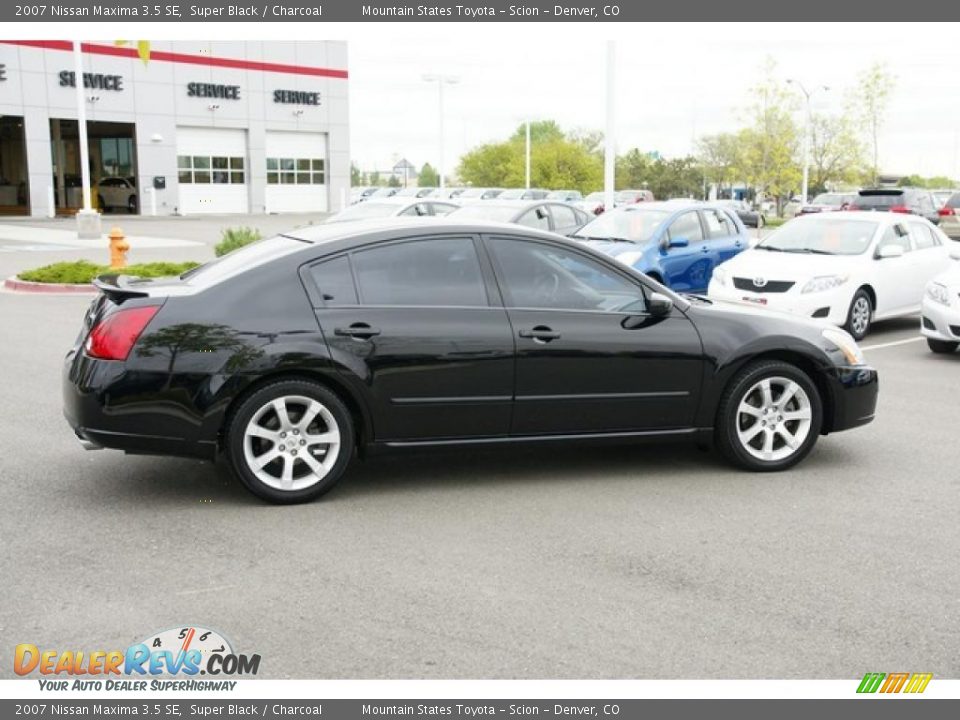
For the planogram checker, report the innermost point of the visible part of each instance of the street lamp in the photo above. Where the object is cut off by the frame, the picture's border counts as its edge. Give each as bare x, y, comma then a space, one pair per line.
808, 126
441, 80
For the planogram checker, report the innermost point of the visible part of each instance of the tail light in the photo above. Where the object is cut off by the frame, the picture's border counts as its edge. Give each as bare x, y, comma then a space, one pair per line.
113, 337
945, 212
903, 209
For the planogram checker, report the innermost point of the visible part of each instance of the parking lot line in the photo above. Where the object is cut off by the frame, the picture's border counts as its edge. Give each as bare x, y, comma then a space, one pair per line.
891, 344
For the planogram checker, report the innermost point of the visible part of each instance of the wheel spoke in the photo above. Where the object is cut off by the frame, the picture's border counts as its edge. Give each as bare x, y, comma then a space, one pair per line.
286, 479
788, 394
767, 448
766, 392
331, 437
313, 464
751, 432
788, 437
261, 432
261, 461
308, 416
801, 414
280, 407
748, 409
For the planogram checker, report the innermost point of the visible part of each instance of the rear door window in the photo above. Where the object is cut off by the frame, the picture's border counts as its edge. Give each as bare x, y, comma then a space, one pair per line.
335, 282
718, 224
893, 236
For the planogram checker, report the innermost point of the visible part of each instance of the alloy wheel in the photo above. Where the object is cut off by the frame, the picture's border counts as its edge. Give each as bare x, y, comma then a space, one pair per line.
773, 418
860, 316
291, 442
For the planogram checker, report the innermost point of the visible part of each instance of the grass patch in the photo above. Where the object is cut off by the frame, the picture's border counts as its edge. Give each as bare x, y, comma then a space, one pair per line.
233, 238
773, 222
83, 272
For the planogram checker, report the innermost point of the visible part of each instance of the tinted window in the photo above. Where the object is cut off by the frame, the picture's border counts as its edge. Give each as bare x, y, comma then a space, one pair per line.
537, 275
536, 218
892, 236
335, 282
923, 236
687, 226
718, 224
442, 208
423, 272
418, 210
563, 217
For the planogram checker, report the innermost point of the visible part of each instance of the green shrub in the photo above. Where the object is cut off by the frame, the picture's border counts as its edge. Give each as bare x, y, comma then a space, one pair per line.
83, 271
233, 238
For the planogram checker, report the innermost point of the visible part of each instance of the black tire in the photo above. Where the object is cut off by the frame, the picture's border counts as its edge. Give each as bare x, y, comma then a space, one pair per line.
942, 346
729, 419
857, 324
236, 449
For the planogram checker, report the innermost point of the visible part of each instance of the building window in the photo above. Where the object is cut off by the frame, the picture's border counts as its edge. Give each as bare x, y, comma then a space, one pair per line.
206, 169
295, 171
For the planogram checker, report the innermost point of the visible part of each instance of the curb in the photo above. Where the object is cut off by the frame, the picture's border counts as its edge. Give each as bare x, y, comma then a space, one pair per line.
16, 285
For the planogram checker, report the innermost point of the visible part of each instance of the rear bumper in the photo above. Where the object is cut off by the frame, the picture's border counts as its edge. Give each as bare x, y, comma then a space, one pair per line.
853, 395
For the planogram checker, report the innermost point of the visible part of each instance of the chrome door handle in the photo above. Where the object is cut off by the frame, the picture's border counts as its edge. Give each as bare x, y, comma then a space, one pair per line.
361, 331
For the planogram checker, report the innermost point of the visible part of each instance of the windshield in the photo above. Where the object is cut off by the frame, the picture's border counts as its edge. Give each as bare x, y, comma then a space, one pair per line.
635, 225
409, 192
384, 192
511, 194
365, 211
473, 193
822, 236
485, 211
828, 199
595, 196
627, 195
242, 259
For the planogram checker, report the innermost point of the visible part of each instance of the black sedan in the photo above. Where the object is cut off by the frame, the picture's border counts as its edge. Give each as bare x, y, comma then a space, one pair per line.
557, 217
748, 216
290, 356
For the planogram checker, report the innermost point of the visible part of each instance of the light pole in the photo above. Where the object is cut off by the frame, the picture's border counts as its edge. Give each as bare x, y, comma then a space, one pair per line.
527, 156
441, 80
610, 143
808, 126
88, 220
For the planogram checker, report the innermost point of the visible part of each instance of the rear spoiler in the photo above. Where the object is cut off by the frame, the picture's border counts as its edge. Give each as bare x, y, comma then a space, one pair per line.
117, 287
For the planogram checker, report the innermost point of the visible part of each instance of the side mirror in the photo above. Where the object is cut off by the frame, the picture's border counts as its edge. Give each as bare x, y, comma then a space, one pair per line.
889, 251
659, 305
678, 242
955, 251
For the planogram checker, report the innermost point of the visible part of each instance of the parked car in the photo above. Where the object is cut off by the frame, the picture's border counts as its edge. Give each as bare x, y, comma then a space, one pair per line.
413, 334
568, 196
949, 220
940, 309
592, 203
383, 192
471, 194
392, 207
792, 207
828, 202
629, 197
416, 192
359, 194
940, 197
560, 218
848, 268
117, 192
447, 193
677, 244
911, 201
748, 216
523, 194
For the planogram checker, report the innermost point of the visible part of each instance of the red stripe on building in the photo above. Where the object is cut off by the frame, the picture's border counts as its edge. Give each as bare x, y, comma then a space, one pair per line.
174, 57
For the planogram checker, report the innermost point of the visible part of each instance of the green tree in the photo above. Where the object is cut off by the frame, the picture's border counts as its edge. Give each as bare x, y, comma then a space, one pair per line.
375, 177
393, 181
836, 153
718, 155
355, 176
428, 176
868, 103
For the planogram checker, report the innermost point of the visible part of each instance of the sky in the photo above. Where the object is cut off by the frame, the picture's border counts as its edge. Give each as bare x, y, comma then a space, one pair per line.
673, 83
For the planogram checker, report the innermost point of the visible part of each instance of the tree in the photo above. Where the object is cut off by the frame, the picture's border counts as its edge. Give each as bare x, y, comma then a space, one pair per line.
718, 157
869, 101
428, 176
393, 181
375, 177
556, 161
355, 177
836, 153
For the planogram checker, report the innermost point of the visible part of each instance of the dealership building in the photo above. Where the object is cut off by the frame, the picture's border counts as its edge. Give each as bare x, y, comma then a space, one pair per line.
200, 127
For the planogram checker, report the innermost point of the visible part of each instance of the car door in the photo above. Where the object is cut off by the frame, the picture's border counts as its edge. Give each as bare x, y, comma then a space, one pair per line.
687, 267
565, 220
110, 191
894, 276
409, 323
589, 357
723, 234
928, 259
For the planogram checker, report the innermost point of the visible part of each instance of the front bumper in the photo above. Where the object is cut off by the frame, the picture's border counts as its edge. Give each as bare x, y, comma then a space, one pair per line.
939, 321
830, 305
852, 393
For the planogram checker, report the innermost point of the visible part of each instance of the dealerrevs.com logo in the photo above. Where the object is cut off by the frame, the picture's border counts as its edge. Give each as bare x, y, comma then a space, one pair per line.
184, 652
897, 682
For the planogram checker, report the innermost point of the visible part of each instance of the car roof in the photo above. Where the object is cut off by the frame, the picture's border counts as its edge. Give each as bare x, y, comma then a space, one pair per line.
879, 216
364, 229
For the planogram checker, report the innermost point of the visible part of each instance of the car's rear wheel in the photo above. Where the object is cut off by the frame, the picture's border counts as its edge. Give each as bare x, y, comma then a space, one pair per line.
769, 417
942, 346
290, 441
859, 315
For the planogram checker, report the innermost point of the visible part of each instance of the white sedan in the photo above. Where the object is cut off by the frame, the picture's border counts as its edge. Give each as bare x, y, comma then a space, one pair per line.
940, 323
384, 207
849, 268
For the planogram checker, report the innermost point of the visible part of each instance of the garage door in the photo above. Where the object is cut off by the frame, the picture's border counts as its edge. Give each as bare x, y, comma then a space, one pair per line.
212, 169
296, 172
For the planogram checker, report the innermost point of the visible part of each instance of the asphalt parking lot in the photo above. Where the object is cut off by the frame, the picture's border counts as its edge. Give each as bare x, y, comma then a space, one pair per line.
615, 561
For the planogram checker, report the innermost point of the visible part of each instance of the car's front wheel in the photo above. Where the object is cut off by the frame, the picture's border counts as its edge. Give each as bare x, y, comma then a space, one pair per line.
290, 441
769, 417
942, 346
859, 315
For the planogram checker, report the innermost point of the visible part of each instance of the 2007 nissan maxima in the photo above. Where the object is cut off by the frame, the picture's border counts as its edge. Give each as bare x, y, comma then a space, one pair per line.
291, 356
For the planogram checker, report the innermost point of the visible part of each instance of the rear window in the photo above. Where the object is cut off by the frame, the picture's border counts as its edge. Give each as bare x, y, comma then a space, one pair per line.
954, 201
494, 213
242, 259
880, 198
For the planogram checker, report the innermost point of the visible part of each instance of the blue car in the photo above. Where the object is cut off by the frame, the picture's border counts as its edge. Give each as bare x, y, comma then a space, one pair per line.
676, 243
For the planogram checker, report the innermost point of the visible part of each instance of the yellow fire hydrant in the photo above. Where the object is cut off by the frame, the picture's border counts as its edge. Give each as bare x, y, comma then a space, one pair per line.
118, 249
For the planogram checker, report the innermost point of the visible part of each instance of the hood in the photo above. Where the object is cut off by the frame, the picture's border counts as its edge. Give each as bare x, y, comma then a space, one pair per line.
951, 276
762, 314
788, 266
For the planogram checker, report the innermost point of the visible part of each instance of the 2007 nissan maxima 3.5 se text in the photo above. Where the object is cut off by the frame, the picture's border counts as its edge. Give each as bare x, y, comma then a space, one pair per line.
291, 356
